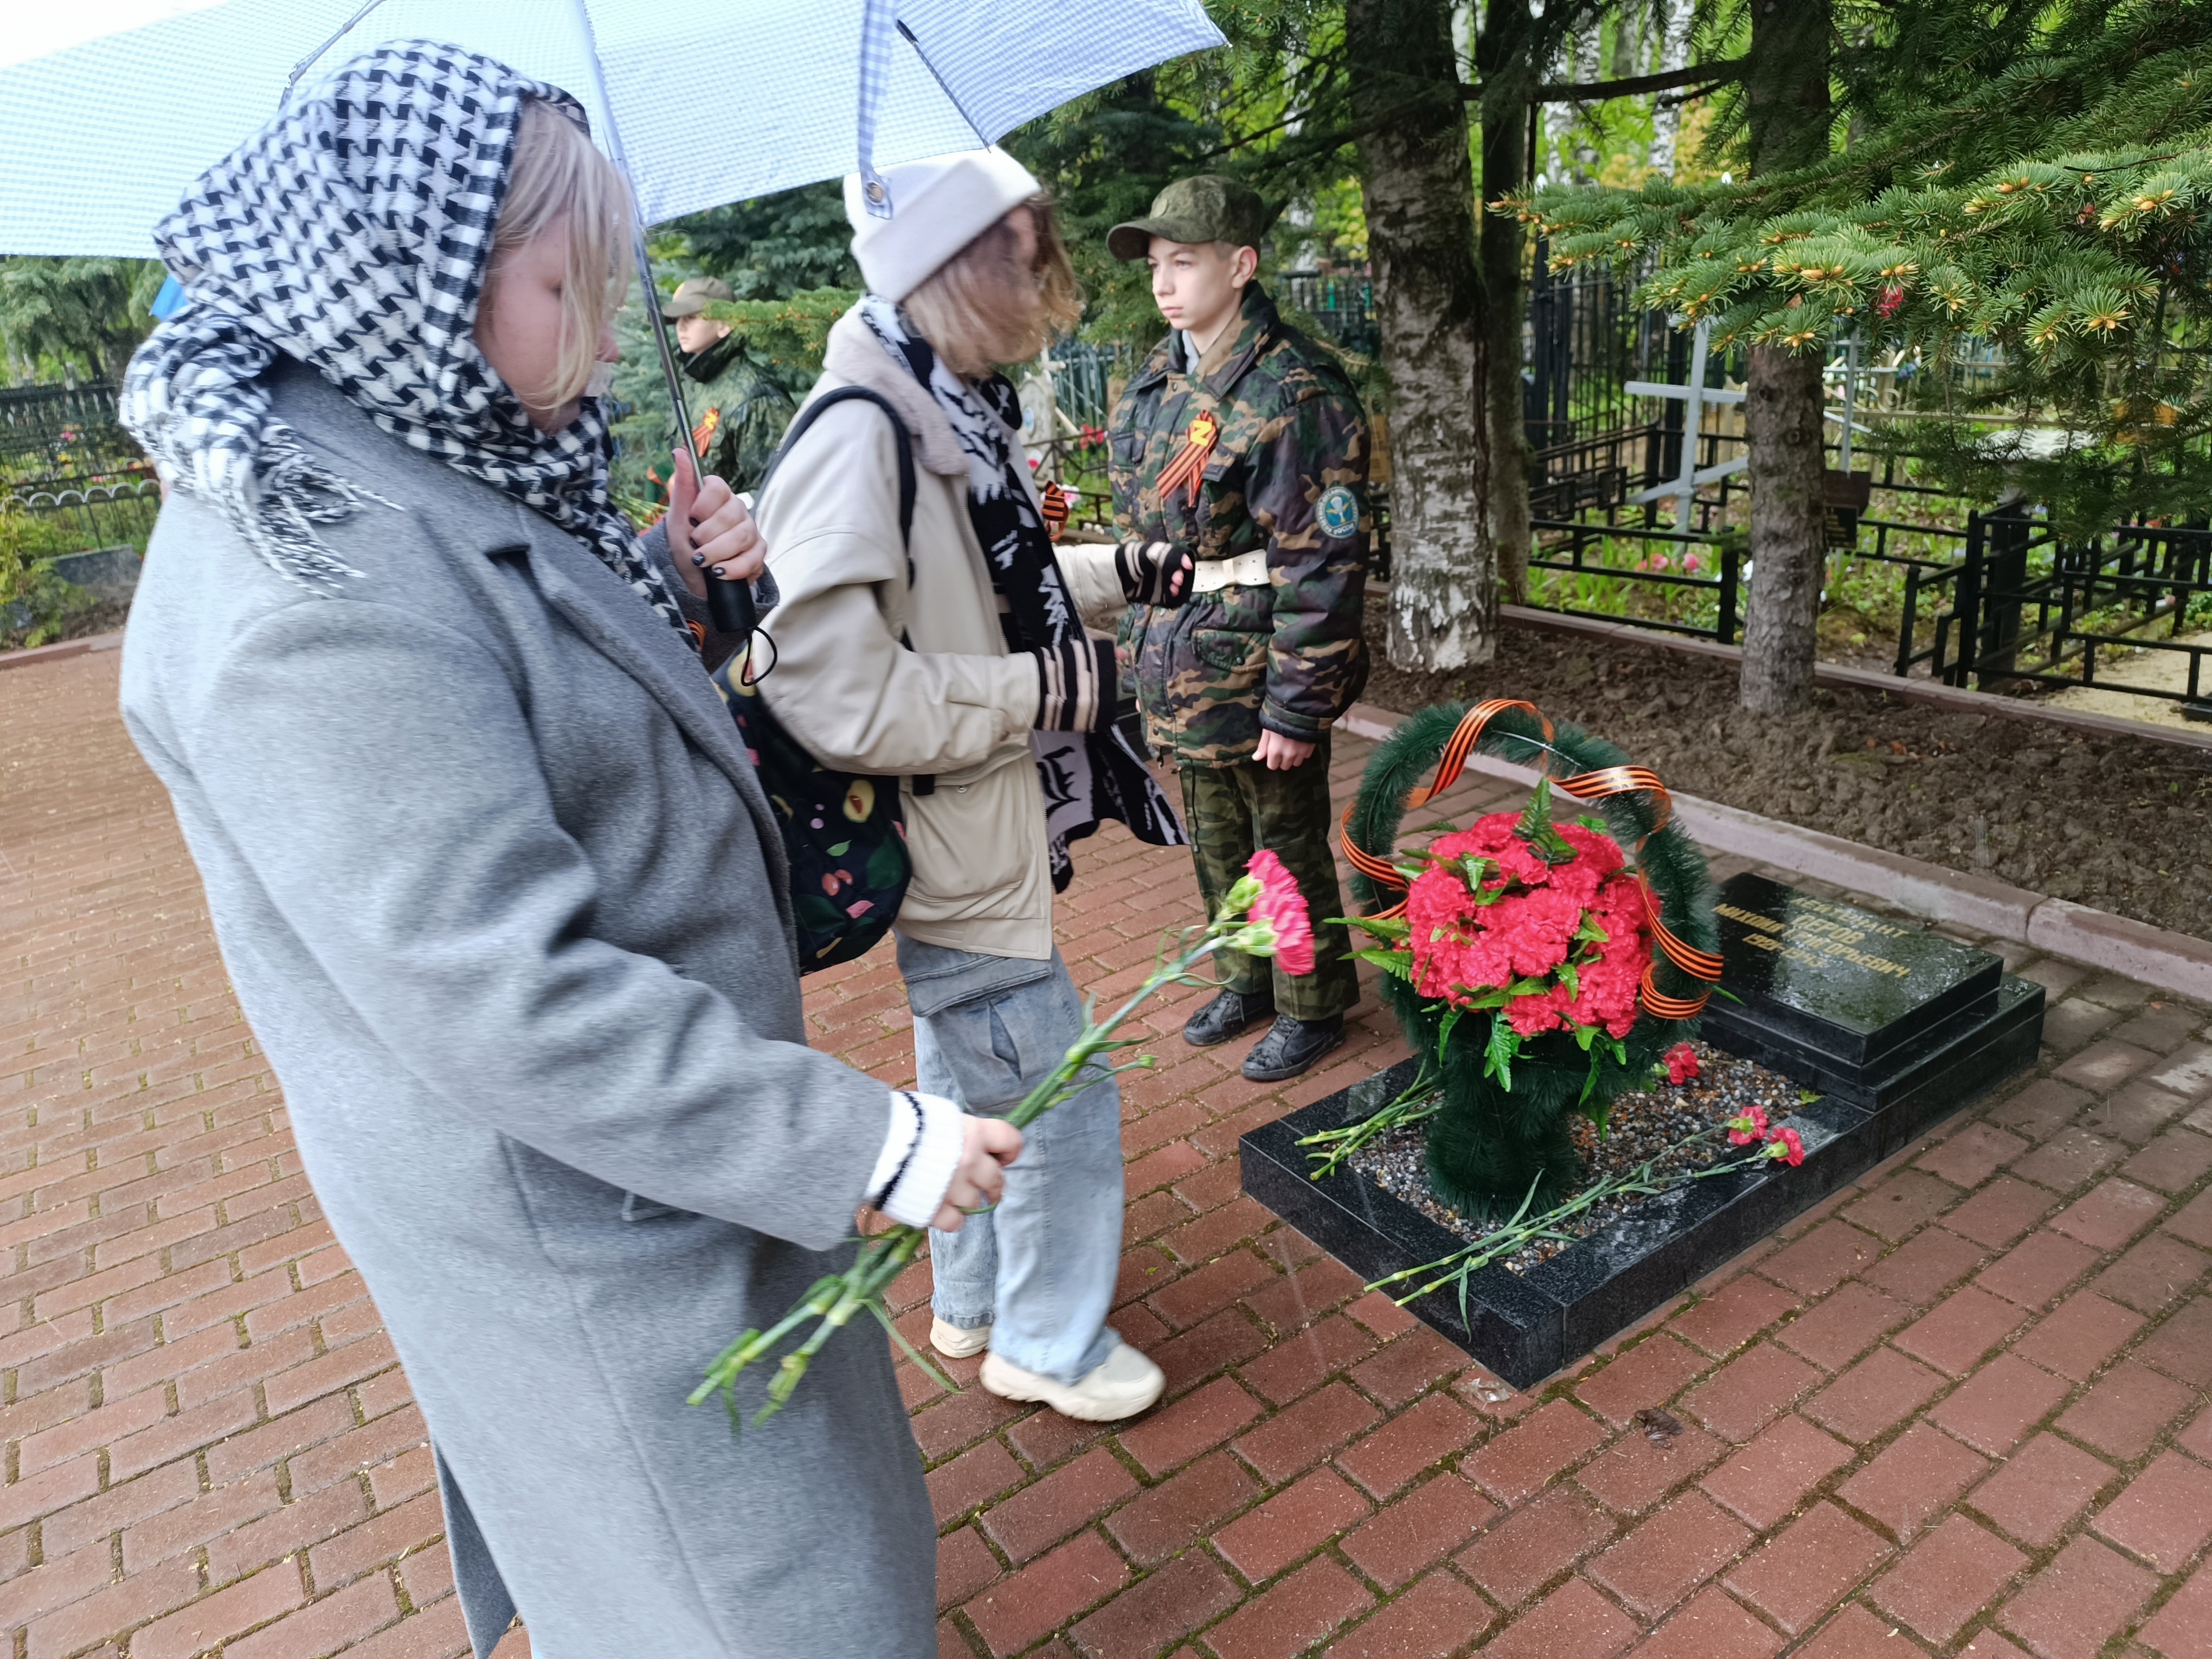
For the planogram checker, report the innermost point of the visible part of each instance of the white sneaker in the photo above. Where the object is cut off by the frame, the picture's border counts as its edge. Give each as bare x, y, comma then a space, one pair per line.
1122, 1385
953, 1342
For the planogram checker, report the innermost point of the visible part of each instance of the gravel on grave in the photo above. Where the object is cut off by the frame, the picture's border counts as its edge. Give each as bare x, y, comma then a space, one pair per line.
2122, 823
1645, 1124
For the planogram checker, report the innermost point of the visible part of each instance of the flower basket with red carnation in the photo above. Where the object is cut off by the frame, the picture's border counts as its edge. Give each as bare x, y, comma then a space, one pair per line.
1542, 966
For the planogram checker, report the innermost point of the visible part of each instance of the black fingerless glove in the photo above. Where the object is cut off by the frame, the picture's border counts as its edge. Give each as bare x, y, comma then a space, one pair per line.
1076, 686
1148, 570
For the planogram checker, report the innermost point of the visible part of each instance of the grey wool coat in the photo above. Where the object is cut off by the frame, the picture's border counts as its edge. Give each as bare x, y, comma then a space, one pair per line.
505, 905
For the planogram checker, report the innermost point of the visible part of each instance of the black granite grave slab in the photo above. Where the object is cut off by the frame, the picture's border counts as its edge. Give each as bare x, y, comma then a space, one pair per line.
1880, 1086
1841, 981
1525, 1327
1856, 1005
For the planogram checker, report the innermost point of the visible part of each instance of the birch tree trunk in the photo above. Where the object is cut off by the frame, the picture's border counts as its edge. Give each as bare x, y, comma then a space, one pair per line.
1418, 184
1506, 74
1667, 117
1786, 94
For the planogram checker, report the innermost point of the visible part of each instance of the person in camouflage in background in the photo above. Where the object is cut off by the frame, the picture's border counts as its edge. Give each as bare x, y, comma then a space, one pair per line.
1241, 444
739, 410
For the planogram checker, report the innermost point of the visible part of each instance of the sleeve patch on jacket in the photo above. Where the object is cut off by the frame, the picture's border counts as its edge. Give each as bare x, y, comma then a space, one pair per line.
1337, 513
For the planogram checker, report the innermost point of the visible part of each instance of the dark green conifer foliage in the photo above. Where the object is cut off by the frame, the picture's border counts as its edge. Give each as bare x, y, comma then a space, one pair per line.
2024, 207
81, 316
772, 248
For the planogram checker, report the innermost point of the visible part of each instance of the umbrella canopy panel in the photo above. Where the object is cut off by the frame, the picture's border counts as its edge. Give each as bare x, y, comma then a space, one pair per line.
716, 101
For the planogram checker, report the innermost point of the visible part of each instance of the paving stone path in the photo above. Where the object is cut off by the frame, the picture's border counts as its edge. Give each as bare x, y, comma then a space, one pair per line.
1961, 1409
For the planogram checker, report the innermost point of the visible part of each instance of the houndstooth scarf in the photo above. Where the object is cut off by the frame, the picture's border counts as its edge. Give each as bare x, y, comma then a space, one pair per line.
351, 234
1087, 776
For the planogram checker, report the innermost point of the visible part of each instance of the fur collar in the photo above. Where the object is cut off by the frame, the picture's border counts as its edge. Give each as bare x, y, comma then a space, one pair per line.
858, 358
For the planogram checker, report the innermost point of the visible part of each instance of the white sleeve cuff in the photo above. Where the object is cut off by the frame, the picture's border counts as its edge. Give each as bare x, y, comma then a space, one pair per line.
918, 1188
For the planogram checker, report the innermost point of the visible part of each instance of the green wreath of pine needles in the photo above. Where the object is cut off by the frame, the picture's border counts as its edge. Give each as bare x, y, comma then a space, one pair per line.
1490, 1148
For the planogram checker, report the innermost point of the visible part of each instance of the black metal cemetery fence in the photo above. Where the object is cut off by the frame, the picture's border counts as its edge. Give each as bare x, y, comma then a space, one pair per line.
1564, 544
2010, 625
1342, 302
1082, 380
69, 474
1598, 473
48, 421
2016, 607
75, 514
1582, 340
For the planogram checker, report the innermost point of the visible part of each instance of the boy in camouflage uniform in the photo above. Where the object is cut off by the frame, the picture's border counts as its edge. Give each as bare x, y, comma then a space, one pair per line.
739, 410
1242, 445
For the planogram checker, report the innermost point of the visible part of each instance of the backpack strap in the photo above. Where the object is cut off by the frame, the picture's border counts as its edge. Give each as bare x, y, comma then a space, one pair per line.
846, 394
921, 783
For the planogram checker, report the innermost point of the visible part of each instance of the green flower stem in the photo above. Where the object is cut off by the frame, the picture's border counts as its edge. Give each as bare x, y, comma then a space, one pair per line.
834, 1301
1517, 1234
1420, 1099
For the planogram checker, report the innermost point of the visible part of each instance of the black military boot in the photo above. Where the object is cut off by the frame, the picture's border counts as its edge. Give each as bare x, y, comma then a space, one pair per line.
1291, 1046
1230, 1014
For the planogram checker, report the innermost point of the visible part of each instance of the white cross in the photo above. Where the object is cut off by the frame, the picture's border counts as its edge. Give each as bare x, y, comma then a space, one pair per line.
1851, 371
1695, 396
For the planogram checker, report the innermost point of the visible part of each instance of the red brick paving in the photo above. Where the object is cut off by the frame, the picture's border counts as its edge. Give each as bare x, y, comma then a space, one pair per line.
2038, 1492
1810, 1565
1960, 1410
2183, 1628
1765, 1482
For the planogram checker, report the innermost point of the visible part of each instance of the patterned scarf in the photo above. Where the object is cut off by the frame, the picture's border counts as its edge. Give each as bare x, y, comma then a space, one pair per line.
351, 234
1087, 776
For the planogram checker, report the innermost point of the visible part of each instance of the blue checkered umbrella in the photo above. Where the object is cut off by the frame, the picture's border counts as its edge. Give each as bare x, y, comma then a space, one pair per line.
105, 118
107, 114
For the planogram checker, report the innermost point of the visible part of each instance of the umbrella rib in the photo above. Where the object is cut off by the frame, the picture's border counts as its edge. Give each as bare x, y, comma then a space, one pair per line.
308, 62
942, 85
582, 11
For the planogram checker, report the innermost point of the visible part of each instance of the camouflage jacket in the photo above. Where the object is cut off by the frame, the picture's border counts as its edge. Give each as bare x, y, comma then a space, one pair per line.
739, 412
1287, 475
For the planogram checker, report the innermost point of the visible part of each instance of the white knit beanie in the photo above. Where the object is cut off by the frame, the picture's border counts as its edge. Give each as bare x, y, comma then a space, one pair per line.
937, 207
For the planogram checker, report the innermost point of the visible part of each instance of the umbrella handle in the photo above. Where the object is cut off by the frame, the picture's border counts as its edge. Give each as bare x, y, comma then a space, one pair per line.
731, 605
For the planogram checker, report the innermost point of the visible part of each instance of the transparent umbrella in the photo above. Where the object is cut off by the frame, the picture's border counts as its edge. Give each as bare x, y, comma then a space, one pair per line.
108, 113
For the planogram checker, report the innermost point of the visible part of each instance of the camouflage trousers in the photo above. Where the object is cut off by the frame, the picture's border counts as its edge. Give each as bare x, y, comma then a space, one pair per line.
1229, 812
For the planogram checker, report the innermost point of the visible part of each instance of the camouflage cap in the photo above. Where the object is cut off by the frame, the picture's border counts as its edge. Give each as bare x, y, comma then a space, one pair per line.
1206, 209
693, 296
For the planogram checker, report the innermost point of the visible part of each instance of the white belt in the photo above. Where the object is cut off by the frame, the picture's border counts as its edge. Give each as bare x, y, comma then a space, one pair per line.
1245, 570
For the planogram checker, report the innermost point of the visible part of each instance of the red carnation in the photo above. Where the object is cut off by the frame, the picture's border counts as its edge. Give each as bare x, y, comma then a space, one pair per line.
1489, 913
1784, 1146
1283, 908
1681, 1063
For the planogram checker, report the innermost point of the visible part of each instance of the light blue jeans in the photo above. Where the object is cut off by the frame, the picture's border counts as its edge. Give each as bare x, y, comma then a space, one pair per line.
1039, 1269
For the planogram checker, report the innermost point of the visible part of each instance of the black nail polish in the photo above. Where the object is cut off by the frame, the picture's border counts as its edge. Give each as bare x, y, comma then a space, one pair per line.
698, 558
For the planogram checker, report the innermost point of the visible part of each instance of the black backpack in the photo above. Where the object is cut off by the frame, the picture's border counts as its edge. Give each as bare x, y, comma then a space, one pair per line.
842, 834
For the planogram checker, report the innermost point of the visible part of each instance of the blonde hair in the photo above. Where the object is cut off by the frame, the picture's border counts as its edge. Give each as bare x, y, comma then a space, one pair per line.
963, 308
558, 174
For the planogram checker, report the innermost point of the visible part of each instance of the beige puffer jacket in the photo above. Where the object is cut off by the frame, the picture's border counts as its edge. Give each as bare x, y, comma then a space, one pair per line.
957, 706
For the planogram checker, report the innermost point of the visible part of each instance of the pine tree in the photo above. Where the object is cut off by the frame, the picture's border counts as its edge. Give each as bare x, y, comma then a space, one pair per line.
771, 247
81, 315
1787, 117
2023, 211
